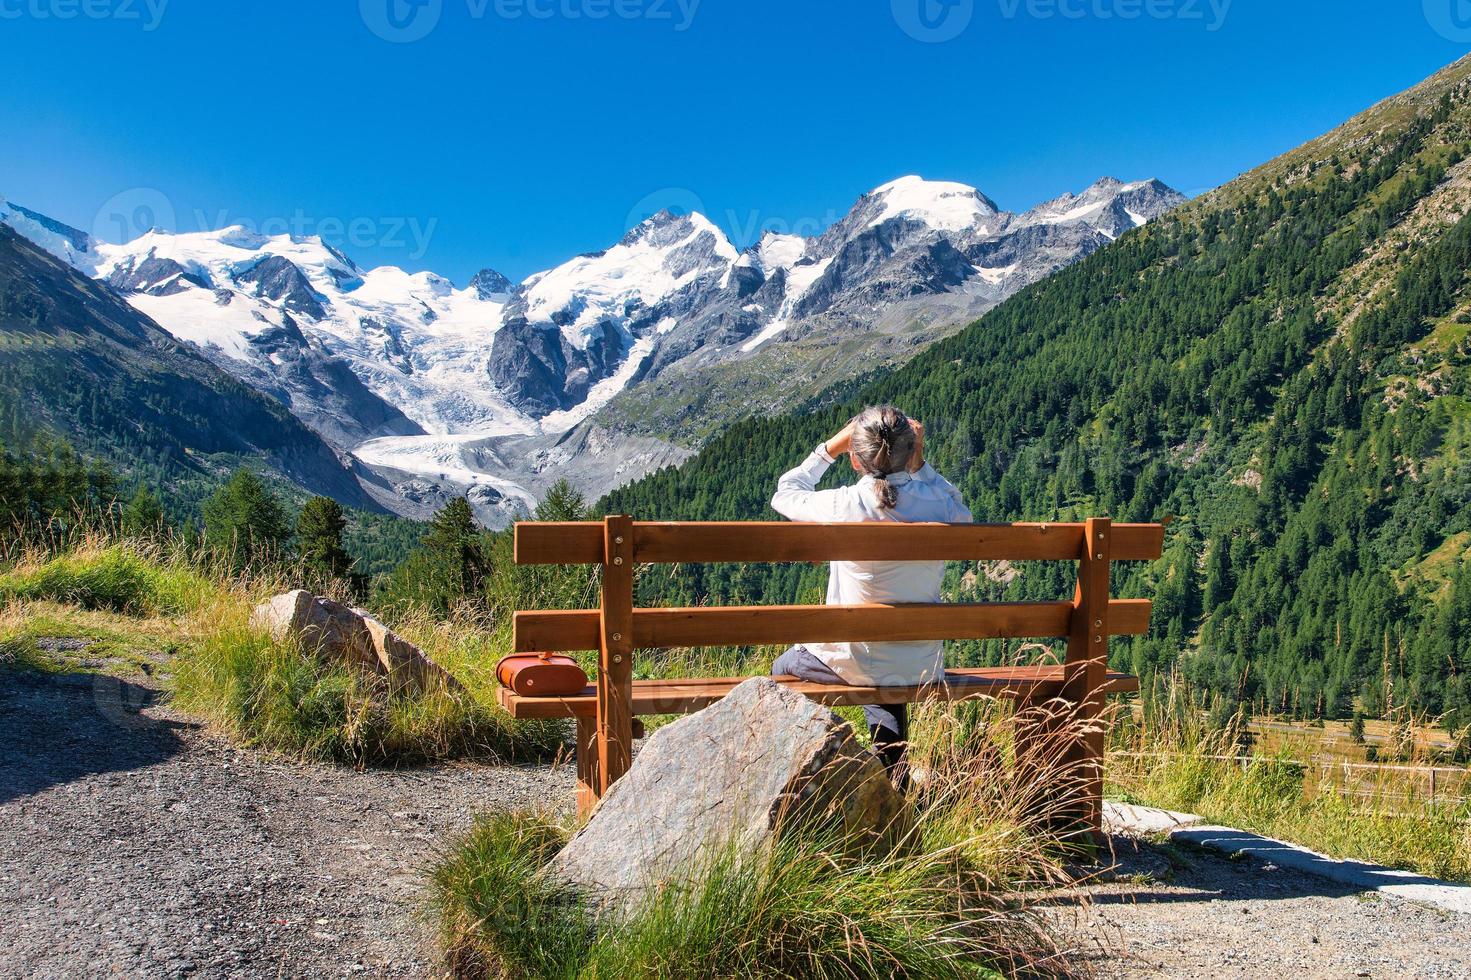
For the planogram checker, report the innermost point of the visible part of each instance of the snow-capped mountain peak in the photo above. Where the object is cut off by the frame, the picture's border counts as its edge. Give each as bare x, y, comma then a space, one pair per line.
656, 258
490, 284
777, 251
943, 205
1109, 205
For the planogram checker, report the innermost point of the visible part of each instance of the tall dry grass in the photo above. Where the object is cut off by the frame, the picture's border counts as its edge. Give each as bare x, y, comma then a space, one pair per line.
964, 893
1167, 756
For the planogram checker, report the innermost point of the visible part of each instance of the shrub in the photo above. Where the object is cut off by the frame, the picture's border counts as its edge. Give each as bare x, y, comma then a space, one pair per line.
277, 696
125, 578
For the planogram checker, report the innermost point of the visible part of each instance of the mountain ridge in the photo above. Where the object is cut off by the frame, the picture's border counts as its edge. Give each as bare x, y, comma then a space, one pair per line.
1283, 365
81, 363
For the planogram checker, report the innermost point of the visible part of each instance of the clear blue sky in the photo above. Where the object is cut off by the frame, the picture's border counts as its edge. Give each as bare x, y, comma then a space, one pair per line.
518, 132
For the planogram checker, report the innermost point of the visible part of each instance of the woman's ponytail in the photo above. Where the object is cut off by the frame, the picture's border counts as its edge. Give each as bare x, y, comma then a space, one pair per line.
886, 492
883, 443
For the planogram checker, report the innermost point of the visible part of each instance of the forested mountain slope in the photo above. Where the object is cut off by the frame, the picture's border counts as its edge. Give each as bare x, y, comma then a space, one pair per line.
1282, 366
77, 362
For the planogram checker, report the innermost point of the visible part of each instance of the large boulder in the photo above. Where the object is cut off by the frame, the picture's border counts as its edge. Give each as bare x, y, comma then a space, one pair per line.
403, 661
763, 760
350, 637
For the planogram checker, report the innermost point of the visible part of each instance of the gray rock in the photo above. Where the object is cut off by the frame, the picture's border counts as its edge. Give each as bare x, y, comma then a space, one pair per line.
349, 636
402, 661
761, 761
279, 279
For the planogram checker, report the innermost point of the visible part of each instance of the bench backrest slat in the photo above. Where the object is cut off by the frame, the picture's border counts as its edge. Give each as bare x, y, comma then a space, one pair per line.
570, 630
654, 542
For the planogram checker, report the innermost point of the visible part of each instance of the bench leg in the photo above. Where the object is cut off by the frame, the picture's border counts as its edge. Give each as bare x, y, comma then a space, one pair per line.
1059, 754
587, 765
1038, 757
1085, 673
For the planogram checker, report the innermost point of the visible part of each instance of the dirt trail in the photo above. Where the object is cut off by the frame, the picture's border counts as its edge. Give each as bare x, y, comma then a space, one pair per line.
137, 844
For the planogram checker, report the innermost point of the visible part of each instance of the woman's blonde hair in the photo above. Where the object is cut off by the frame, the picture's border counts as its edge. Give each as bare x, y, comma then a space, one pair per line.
883, 444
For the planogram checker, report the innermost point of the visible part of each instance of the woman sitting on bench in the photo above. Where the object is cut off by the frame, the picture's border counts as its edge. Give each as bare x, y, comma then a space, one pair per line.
887, 450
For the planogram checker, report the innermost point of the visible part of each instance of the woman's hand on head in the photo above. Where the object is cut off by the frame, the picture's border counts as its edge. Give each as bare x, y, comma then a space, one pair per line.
839, 444
916, 459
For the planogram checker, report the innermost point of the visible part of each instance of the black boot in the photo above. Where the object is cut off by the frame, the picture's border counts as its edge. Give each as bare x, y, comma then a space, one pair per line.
890, 745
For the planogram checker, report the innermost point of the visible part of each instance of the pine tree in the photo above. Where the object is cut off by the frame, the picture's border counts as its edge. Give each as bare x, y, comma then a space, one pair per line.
1356, 729
244, 519
453, 542
144, 513
319, 530
449, 567
562, 503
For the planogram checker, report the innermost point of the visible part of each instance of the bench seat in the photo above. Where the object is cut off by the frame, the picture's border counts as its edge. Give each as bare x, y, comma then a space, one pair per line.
686, 694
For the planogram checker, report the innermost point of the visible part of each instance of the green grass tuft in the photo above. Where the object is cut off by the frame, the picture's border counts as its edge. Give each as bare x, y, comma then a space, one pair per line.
19, 651
119, 578
962, 896
499, 917
799, 907
277, 696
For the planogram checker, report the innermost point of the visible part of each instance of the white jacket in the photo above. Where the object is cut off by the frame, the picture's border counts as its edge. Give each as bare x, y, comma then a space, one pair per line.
925, 496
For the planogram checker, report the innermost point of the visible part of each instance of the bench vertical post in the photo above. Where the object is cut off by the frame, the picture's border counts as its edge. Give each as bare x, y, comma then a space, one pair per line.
615, 662
587, 764
1085, 674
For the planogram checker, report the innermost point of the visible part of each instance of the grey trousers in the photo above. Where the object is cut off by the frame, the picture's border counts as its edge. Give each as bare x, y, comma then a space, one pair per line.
803, 663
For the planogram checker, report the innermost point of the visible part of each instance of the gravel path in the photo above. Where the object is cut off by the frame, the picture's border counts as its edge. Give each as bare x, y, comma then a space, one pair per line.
136, 844
1173, 912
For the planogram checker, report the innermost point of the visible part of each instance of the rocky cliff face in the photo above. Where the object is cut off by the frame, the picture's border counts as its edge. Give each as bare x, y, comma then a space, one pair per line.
912, 261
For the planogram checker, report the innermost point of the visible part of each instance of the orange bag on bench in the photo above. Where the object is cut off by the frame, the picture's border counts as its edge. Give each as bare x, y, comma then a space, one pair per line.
541, 675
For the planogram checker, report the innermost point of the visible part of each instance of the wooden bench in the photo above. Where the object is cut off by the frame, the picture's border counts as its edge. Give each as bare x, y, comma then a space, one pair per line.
607, 710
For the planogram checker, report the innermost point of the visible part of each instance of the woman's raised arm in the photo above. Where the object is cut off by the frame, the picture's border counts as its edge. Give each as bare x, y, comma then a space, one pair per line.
797, 497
